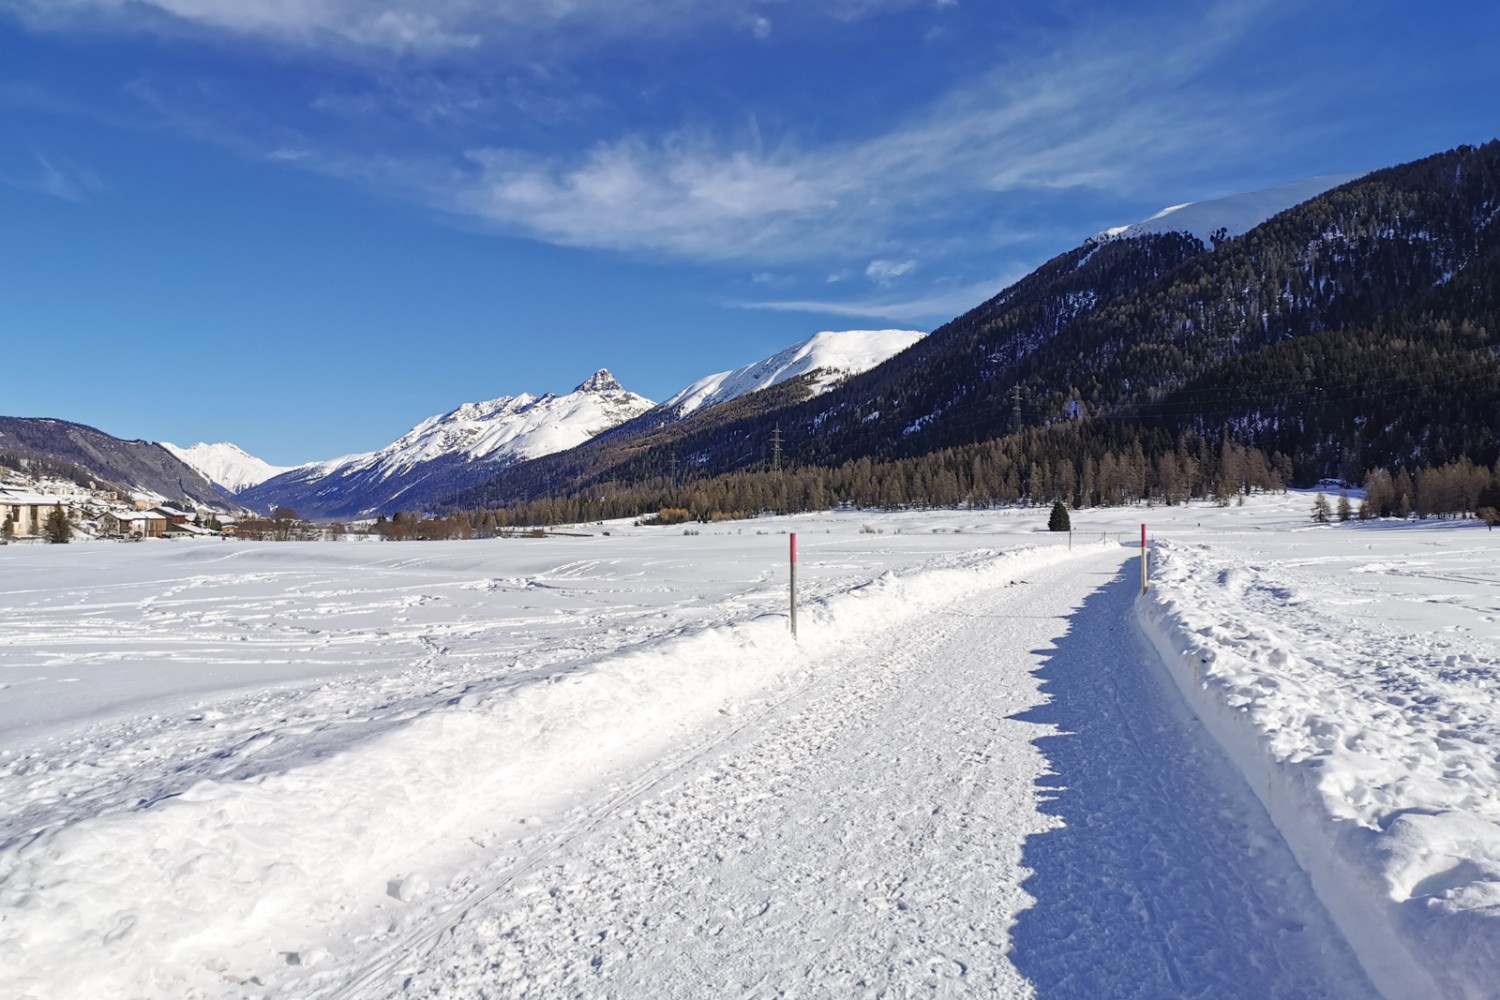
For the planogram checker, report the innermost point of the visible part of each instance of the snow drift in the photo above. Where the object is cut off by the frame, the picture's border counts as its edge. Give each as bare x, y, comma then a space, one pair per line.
1374, 758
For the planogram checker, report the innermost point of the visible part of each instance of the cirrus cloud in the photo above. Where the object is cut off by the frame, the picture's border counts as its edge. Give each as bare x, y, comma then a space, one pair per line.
422, 27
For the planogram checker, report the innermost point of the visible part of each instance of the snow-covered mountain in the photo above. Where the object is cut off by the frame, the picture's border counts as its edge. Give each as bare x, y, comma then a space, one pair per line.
511, 427
452, 450
834, 355
225, 464
1231, 216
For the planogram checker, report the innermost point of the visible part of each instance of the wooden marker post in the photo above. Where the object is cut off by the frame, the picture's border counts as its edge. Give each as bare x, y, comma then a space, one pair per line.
794, 585
1143, 558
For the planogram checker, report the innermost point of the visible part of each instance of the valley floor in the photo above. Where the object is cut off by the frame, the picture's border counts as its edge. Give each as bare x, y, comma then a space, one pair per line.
600, 767
987, 802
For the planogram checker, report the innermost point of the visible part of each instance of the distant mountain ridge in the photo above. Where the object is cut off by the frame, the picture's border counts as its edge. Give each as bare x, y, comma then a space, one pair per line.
510, 427
832, 355
1324, 332
476, 441
226, 465
450, 450
137, 466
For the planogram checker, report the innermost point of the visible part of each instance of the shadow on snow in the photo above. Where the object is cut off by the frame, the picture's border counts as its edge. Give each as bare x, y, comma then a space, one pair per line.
1165, 878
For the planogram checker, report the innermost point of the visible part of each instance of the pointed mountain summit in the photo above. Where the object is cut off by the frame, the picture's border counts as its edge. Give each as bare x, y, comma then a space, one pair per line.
600, 381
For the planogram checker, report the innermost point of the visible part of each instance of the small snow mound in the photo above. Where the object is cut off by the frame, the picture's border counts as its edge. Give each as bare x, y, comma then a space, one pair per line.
408, 887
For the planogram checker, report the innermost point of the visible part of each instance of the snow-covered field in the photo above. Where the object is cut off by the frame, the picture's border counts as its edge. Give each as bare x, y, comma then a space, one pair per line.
1351, 671
600, 766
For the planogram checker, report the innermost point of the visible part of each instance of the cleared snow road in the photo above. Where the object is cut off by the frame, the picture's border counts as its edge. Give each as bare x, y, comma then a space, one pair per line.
1001, 799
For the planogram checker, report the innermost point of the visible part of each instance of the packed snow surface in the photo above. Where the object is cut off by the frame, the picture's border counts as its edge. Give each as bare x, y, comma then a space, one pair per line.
225, 464
1232, 216
835, 355
599, 765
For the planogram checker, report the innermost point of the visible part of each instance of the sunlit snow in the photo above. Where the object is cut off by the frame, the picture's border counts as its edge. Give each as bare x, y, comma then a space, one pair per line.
367, 769
1231, 216
834, 354
226, 464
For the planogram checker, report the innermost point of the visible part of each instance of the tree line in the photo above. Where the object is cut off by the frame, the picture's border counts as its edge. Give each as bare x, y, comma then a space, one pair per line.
1356, 330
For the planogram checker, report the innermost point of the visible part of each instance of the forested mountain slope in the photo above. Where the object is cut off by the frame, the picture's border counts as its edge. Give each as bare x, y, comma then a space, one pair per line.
1335, 332
137, 466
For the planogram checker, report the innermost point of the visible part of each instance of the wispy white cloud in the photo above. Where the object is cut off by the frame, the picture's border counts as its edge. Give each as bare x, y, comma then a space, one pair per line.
1087, 113
456, 103
1091, 115
883, 272
402, 27
683, 197
56, 178
934, 307
420, 27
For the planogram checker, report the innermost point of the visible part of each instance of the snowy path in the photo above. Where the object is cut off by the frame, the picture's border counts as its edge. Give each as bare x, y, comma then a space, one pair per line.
998, 799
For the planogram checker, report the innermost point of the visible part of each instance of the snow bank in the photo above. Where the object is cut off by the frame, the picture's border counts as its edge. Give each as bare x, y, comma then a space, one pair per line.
1375, 758
195, 891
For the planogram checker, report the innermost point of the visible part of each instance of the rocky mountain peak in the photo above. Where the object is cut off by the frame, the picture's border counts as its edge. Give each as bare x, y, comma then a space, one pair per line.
600, 381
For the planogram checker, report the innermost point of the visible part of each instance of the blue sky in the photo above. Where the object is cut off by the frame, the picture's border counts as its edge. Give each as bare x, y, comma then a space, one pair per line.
305, 225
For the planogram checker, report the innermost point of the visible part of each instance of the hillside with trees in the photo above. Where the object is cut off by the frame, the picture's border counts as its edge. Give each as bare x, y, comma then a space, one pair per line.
89, 456
1352, 332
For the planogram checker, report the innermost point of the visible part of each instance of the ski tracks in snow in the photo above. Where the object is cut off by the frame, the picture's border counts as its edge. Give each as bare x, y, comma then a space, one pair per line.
993, 800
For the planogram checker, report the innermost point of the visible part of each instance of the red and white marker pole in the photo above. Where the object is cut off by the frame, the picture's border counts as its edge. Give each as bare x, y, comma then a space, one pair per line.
1143, 558
794, 585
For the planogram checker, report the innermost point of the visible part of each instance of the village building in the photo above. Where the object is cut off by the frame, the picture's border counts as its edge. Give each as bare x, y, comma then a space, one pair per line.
189, 531
27, 512
134, 524
175, 515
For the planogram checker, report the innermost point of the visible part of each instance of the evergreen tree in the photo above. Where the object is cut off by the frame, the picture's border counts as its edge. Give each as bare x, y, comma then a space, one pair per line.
1059, 519
1320, 509
1346, 511
58, 530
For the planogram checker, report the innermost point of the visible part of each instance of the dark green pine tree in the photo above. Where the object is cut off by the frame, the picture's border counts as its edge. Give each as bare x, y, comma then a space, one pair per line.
59, 531
1059, 519
1321, 510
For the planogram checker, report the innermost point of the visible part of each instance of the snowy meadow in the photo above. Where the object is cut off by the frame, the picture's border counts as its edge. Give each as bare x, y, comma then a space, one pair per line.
242, 769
